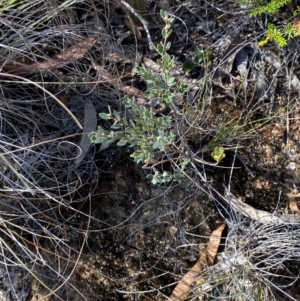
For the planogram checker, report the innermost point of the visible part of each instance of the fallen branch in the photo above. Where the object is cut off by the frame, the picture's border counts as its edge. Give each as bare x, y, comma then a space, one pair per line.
260, 215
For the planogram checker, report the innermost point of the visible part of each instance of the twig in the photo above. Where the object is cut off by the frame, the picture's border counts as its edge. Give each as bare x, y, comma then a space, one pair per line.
142, 20
260, 215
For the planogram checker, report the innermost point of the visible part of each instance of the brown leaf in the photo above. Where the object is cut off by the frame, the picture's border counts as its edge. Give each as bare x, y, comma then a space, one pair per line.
64, 99
183, 288
259, 215
294, 206
214, 243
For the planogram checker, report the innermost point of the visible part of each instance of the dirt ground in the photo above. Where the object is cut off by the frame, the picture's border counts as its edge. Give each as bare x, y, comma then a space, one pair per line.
142, 238
147, 237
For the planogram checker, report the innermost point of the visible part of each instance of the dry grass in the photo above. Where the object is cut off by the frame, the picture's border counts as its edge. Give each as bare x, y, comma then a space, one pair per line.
41, 188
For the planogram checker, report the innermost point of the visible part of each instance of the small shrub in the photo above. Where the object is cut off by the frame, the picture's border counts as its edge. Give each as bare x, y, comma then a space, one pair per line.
144, 131
157, 140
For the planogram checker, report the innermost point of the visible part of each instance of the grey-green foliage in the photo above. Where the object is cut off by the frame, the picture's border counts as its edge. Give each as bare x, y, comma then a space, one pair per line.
144, 131
163, 85
177, 175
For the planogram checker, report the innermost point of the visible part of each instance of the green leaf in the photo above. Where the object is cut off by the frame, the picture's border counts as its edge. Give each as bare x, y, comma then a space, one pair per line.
116, 127
160, 48
155, 133
154, 181
122, 142
169, 32
92, 136
132, 123
171, 81
132, 144
168, 97
159, 144
132, 112
100, 140
117, 115
111, 141
164, 33
112, 134
168, 46
181, 88
125, 121
105, 116
199, 57
140, 125
163, 15
168, 59
187, 67
127, 102
100, 130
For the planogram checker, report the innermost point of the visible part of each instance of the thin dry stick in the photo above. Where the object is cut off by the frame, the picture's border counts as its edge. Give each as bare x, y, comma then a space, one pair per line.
142, 20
